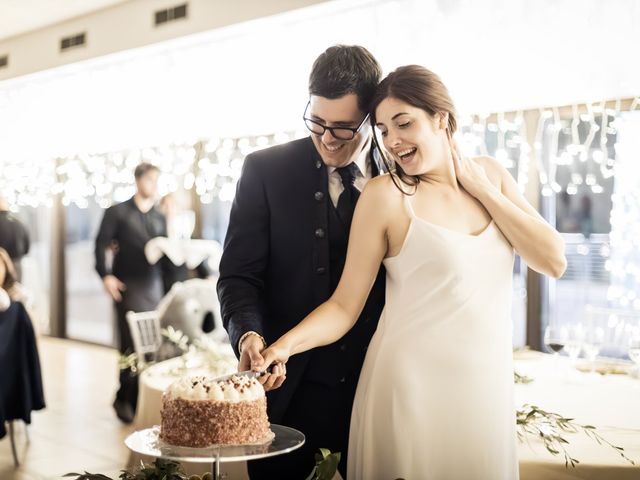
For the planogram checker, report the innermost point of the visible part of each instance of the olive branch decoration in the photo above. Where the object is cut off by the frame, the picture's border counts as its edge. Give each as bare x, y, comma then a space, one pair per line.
549, 426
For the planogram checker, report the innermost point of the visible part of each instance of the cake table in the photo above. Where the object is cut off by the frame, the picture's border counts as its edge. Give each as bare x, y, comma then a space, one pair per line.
147, 442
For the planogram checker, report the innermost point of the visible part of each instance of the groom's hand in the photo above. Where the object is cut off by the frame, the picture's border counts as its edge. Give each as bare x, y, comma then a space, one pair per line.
276, 356
250, 352
251, 359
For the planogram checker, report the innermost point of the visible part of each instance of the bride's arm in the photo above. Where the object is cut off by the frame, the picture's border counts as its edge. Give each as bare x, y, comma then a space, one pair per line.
537, 242
335, 317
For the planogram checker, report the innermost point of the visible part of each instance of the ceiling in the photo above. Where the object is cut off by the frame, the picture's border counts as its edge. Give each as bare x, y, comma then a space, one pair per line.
22, 16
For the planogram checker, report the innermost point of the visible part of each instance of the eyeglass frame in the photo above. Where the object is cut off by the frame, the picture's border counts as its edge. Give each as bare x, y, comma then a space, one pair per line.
354, 131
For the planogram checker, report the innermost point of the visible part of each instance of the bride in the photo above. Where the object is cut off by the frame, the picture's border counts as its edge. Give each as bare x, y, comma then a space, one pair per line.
435, 396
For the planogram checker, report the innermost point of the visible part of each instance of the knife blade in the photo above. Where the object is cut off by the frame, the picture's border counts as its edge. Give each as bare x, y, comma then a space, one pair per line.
247, 373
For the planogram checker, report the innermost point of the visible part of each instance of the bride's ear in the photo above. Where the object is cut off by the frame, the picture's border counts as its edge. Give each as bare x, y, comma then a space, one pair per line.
444, 120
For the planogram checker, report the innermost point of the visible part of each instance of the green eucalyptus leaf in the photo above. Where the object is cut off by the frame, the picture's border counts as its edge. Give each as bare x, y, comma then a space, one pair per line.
325, 452
328, 467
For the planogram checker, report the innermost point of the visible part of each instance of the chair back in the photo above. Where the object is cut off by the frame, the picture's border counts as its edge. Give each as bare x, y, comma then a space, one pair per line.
145, 333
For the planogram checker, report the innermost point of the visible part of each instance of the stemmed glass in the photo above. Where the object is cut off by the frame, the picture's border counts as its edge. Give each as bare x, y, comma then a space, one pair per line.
575, 339
593, 340
555, 339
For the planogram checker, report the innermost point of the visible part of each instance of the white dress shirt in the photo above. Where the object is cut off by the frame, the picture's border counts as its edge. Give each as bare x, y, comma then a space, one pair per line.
363, 174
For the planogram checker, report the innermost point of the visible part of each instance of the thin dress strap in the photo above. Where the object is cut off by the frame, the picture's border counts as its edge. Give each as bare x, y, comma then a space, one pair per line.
409, 207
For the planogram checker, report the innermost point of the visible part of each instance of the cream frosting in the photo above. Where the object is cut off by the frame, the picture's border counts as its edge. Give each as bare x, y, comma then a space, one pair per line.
235, 389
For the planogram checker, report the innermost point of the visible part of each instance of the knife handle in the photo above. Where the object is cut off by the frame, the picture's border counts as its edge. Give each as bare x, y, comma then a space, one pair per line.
269, 369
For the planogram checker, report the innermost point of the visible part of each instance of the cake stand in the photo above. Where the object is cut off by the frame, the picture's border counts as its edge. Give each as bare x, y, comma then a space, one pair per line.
147, 442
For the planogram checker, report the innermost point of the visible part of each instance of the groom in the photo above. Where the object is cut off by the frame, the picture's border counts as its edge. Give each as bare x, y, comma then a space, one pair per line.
285, 250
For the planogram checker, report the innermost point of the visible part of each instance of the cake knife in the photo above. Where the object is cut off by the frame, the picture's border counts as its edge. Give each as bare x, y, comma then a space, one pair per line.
246, 373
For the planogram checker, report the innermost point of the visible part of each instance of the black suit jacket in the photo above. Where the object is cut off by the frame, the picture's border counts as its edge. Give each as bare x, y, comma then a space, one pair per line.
275, 266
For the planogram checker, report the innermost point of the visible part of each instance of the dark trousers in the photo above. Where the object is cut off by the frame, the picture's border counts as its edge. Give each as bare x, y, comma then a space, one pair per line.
140, 296
323, 414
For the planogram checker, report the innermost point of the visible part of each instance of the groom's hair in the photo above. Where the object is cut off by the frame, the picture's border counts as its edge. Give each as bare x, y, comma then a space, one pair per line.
344, 69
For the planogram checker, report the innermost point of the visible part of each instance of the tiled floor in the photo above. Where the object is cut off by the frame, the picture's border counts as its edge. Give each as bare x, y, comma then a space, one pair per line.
78, 430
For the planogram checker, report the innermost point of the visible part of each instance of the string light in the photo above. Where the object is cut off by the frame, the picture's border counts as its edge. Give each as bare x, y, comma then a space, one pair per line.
108, 177
624, 251
505, 140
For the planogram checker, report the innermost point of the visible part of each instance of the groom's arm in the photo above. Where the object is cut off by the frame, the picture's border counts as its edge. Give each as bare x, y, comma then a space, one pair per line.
245, 257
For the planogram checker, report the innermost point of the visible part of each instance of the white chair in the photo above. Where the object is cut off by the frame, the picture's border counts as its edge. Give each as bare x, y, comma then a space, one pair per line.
145, 333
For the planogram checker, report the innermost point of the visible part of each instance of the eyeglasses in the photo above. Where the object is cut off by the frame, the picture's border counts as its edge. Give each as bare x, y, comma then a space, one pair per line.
340, 133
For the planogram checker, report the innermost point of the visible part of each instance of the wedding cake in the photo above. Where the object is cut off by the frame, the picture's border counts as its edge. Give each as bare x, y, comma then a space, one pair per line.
199, 411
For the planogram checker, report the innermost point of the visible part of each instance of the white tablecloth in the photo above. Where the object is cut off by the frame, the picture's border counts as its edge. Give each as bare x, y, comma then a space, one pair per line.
611, 403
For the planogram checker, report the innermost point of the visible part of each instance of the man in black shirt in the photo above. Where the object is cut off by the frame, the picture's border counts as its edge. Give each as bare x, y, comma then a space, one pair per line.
14, 237
132, 282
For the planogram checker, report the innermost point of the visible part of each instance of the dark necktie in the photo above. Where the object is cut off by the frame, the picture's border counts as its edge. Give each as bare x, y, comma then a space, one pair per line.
348, 198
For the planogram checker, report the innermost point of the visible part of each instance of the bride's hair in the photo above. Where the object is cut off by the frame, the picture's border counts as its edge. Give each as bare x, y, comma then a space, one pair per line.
421, 88
10, 277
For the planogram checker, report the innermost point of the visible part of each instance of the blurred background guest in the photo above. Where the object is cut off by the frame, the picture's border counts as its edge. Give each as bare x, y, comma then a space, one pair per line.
21, 390
14, 237
8, 278
132, 283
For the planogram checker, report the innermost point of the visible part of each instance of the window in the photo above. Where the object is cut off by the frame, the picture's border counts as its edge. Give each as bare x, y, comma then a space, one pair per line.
170, 14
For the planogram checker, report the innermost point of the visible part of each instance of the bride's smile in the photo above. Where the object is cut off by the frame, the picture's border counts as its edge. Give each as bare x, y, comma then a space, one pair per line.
416, 140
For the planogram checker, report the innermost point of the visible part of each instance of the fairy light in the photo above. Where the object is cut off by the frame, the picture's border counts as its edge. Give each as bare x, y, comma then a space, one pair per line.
624, 254
107, 177
503, 139
28, 183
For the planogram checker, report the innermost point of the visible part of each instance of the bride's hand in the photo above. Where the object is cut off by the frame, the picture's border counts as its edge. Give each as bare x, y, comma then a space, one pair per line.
277, 356
470, 174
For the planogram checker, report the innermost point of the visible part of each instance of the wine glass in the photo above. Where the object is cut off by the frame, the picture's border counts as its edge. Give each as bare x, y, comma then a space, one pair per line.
575, 339
555, 339
593, 340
